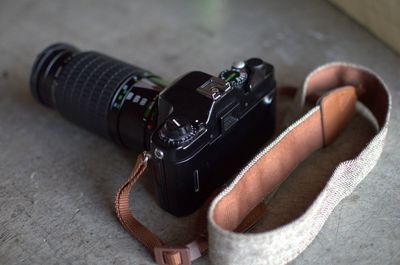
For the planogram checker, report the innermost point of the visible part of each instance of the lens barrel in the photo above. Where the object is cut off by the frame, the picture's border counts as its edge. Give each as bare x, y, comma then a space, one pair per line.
102, 94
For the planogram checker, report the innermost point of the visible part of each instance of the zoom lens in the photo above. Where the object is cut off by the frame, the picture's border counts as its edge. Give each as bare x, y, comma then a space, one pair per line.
104, 95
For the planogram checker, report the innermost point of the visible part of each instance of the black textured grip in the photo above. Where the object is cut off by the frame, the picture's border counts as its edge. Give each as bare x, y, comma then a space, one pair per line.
86, 86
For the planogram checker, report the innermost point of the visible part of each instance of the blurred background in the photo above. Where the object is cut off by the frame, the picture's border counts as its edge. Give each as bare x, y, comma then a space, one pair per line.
57, 181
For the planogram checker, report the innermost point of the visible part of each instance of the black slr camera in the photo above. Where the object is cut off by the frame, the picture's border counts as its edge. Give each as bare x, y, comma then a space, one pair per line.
199, 131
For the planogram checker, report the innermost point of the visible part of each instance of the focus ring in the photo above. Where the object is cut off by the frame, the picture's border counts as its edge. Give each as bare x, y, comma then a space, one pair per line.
86, 87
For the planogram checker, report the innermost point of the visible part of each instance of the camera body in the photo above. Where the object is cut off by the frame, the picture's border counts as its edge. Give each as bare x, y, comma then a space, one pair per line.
200, 130
209, 128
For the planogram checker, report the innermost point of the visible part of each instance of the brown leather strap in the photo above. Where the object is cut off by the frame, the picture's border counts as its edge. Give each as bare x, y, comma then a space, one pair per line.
167, 255
318, 128
130, 223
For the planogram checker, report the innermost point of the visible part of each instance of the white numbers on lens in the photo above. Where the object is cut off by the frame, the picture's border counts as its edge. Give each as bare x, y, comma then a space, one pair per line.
143, 101
129, 96
136, 99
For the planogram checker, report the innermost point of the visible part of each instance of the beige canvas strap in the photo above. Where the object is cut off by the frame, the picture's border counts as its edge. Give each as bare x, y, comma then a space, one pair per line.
271, 166
240, 205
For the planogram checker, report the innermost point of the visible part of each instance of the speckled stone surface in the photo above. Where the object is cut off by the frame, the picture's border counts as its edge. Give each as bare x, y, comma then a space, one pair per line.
57, 181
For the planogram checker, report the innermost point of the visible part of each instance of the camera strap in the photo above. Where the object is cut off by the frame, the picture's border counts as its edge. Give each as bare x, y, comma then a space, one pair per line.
240, 205
163, 254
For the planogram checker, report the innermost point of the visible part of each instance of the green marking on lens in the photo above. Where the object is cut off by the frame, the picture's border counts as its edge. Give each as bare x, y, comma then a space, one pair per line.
148, 110
146, 113
120, 97
158, 81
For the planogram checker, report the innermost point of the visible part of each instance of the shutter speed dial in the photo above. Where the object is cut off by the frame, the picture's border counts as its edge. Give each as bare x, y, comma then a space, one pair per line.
176, 132
235, 76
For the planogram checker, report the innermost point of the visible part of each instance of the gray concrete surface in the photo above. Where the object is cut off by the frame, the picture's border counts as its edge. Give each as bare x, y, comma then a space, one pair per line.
57, 181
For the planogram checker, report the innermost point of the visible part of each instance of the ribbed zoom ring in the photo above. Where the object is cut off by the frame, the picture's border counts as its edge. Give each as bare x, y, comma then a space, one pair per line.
86, 86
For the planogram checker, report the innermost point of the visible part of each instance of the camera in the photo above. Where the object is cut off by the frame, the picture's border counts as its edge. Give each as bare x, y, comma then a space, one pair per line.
200, 130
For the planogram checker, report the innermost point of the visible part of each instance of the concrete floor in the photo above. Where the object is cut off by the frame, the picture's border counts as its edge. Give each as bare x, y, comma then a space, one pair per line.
57, 181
